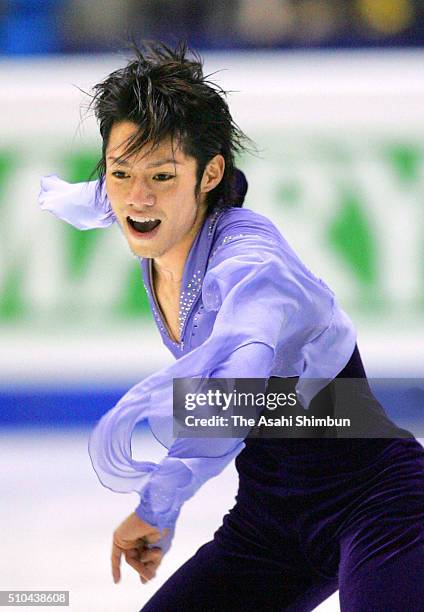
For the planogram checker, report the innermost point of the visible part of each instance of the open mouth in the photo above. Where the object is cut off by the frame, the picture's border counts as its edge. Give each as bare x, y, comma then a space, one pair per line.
143, 226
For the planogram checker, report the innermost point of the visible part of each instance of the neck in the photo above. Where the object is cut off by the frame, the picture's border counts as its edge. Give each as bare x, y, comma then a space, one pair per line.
170, 266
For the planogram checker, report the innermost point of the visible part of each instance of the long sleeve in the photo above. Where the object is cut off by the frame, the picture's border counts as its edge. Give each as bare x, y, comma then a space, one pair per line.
268, 308
261, 300
250, 361
83, 205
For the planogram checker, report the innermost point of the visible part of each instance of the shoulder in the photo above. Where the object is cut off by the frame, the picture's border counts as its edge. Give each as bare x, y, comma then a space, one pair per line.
244, 237
235, 223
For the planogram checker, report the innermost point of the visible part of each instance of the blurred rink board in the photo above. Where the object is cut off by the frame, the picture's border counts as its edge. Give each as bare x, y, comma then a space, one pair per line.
340, 170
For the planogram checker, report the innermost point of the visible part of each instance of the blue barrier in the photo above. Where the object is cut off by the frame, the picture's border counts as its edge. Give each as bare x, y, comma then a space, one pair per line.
58, 408
403, 402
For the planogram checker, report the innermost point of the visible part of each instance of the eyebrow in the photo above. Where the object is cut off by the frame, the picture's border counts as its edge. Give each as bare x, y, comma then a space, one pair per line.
156, 164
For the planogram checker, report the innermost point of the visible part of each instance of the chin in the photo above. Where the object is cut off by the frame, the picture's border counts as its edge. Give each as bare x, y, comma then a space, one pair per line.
143, 251
139, 252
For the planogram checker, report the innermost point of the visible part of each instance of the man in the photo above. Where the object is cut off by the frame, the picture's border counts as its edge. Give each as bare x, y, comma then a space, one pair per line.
231, 299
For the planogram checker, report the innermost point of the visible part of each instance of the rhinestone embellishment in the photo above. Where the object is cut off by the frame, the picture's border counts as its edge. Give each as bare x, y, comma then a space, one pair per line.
213, 220
227, 239
189, 296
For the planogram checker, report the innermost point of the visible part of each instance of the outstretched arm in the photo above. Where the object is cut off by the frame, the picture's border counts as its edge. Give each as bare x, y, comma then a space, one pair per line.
262, 299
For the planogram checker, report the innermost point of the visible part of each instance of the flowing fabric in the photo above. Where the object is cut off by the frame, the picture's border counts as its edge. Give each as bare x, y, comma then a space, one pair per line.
83, 205
263, 314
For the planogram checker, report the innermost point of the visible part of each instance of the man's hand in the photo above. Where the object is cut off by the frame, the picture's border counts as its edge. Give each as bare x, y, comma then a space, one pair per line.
131, 539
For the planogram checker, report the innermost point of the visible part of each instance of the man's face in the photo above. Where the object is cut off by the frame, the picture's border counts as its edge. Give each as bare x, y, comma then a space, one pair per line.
149, 188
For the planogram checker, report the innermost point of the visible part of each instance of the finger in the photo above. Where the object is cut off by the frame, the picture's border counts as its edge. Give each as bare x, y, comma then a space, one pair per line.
140, 568
151, 567
132, 553
151, 554
116, 563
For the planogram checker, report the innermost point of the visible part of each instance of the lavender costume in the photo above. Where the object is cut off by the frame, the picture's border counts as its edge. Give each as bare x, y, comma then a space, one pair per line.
248, 308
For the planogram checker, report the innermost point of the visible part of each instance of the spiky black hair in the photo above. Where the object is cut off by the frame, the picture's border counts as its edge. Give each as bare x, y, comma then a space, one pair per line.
164, 92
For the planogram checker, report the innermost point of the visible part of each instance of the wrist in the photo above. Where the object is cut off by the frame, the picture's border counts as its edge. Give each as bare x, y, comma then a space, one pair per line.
157, 520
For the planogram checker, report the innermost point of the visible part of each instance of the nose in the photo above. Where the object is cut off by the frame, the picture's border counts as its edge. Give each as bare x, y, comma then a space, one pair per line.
139, 196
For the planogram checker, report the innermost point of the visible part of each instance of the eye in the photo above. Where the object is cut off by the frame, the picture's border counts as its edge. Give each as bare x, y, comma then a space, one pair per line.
163, 177
119, 174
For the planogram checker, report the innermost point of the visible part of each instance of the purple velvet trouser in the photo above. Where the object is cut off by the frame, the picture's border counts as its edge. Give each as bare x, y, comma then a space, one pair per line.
311, 517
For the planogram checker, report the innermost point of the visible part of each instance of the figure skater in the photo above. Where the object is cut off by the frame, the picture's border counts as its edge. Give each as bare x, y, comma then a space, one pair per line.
231, 300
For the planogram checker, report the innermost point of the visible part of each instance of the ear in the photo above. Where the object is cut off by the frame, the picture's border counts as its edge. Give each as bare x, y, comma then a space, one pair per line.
212, 174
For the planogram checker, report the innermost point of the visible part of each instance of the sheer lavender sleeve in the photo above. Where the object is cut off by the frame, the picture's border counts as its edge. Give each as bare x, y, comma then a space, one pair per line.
261, 299
264, 299
83, 205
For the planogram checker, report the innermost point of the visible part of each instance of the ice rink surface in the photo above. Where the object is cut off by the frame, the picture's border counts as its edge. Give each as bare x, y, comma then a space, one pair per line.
57, 521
